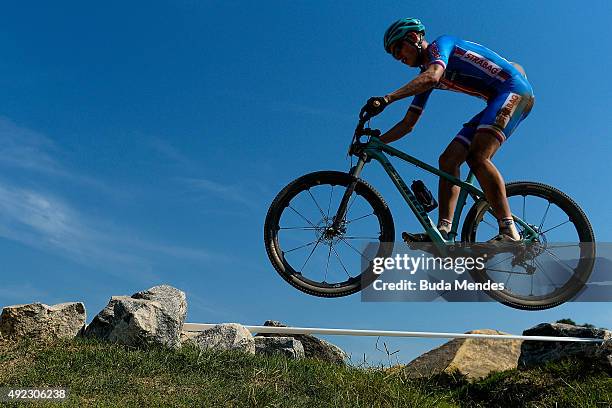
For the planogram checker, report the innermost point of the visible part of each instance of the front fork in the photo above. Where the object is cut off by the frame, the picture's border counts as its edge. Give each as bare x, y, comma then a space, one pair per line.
342, 209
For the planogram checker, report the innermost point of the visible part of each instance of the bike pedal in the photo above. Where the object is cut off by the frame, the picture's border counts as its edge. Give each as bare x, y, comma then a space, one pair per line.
413, 238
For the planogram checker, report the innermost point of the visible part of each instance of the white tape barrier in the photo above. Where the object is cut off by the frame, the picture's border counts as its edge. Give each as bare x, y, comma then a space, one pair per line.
198, 327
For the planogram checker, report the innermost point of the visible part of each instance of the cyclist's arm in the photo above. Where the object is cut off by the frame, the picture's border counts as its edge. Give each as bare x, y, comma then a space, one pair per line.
422, 83
402, 128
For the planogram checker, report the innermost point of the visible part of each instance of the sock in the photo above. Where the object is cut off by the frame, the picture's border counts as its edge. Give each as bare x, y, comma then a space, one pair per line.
507, 227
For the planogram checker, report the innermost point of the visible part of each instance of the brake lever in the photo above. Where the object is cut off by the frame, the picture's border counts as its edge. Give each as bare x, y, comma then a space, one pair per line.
371, 132
364, 115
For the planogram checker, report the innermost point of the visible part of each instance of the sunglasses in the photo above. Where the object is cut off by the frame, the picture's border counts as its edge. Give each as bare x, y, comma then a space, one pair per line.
397, 48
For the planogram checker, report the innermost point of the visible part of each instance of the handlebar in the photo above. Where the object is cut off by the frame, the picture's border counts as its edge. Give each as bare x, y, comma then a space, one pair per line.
360, 130
369, 132
364, 115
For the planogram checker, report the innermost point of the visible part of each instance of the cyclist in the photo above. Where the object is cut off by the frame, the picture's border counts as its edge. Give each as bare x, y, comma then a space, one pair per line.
454, 64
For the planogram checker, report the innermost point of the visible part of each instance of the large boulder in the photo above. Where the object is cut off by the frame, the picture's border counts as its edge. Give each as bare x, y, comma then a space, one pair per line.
286, 346
154, 316
472, 357
173, 301
535, 353
38, 321
225, 336
313, 347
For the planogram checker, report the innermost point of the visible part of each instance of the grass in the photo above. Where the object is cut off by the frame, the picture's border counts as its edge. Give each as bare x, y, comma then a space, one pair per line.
105, 375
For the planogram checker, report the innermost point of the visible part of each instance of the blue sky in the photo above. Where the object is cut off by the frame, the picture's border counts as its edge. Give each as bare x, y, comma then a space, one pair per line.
142, 143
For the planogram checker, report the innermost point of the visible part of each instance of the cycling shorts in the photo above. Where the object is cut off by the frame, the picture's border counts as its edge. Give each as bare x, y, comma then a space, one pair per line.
503, 113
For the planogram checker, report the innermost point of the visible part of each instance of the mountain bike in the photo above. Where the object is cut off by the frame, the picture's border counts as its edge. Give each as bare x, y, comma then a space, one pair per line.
319, 218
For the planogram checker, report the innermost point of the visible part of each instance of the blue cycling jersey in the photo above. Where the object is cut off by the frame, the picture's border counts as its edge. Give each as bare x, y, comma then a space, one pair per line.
469, 68
473, 69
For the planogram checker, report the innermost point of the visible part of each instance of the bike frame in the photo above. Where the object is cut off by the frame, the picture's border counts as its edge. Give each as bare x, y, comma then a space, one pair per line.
375, 149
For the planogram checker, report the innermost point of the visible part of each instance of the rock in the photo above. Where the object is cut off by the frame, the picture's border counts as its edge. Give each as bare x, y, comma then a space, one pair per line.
186, 336
603, 356
287, 346
135, 322
225, 336
173, 301
535, 353
154, 316
474, 358
313, 347
38, 321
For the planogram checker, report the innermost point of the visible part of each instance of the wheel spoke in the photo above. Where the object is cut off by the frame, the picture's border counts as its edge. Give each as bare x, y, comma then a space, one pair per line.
556, 226
508, 280
341, 263
327, 264
509, 272
304, 218
317, 204
330, 200
563, 246
487, 222
359, 218
353, 199
361, 237
309, 255
541, 267
551, 252
299, 228
355, 249
301, 246
559, 261
544, 217
503, 260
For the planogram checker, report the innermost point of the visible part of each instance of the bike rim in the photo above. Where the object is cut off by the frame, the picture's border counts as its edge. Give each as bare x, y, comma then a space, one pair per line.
555, 265
315, 253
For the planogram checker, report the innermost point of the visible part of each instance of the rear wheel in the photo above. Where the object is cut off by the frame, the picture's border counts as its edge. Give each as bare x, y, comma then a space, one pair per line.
312, 255
552, 269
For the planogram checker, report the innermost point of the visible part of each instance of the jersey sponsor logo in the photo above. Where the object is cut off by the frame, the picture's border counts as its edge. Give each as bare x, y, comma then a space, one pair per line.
503, 75
489, 67
459, 52
507, 110
434, 51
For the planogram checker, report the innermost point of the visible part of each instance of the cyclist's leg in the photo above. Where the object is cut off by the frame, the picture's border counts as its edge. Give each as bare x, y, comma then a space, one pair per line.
454, 155
499, 120
450, 161
482, 149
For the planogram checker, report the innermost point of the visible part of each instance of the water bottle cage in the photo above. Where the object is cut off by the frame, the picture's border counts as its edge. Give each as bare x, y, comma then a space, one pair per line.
424, 196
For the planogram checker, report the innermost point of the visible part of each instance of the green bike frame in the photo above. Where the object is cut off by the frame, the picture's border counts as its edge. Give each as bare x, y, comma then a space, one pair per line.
375, 149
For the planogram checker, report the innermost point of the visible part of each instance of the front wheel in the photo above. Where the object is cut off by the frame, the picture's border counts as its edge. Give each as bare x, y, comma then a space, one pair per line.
309, 252
552, 269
